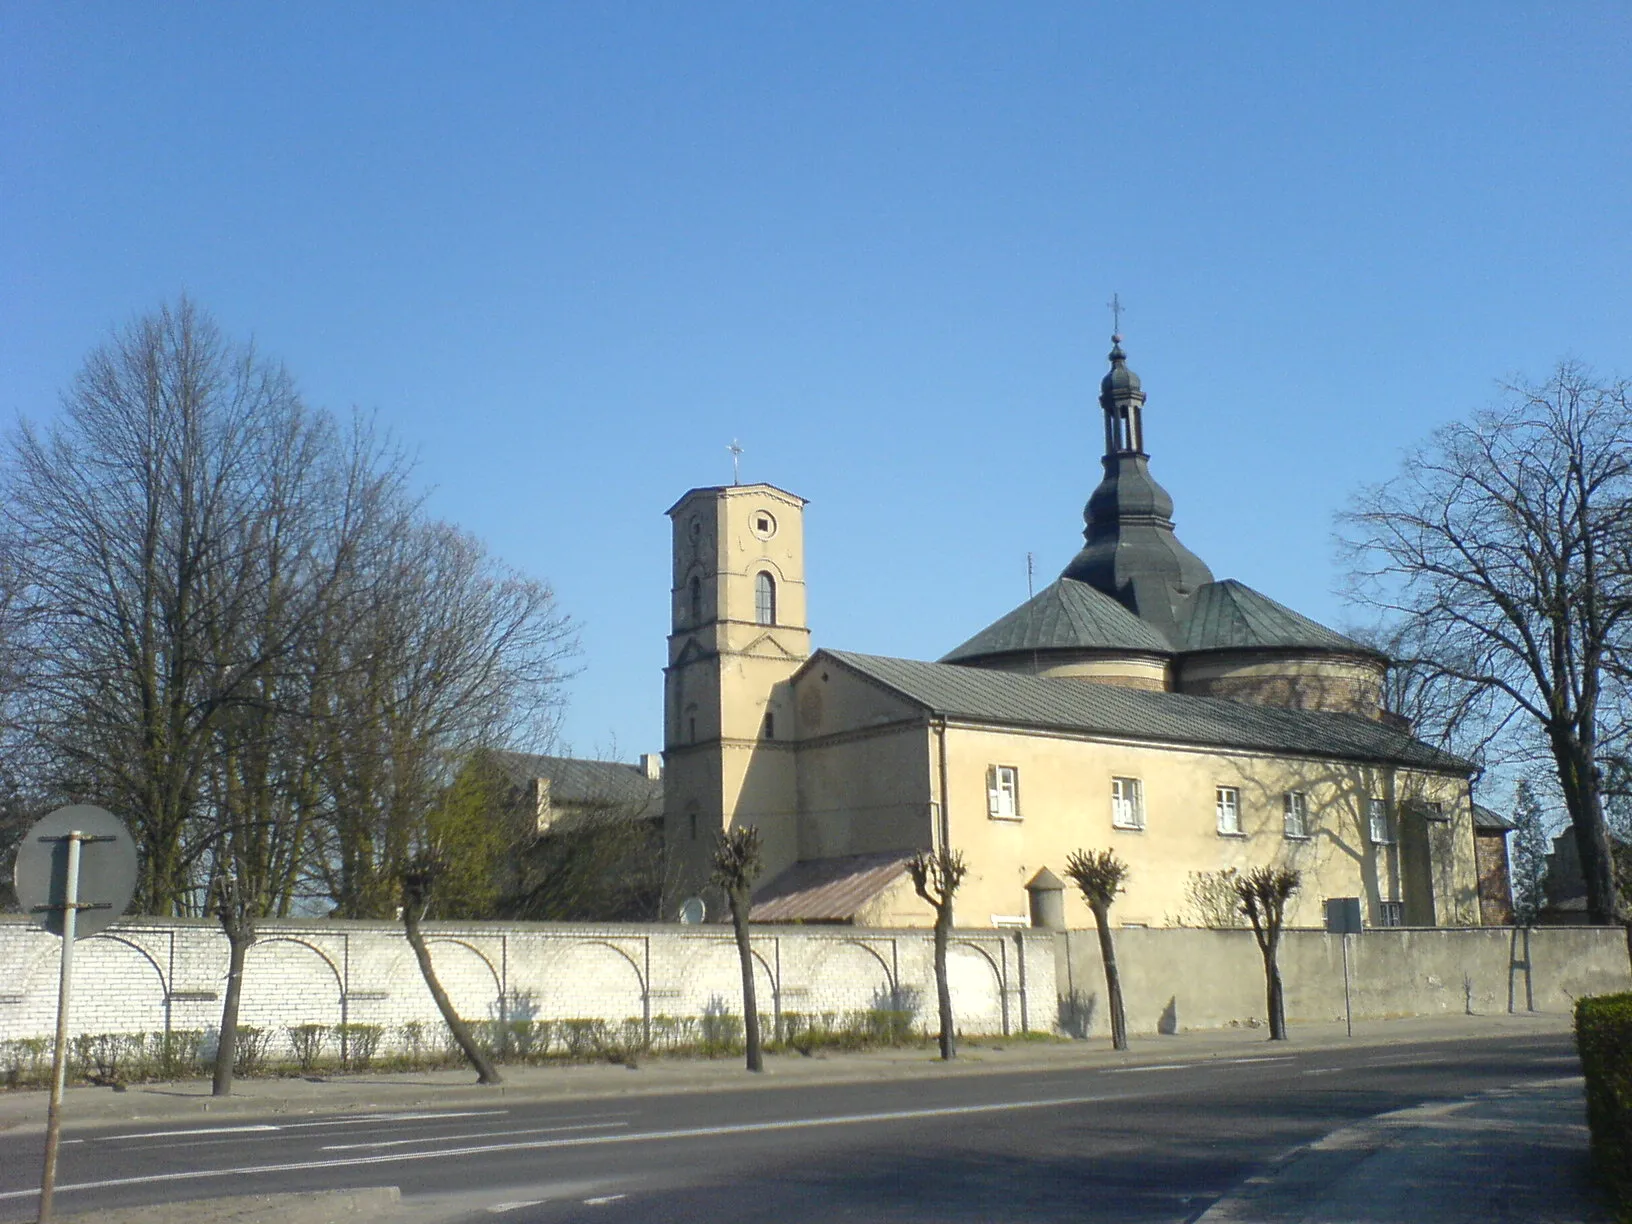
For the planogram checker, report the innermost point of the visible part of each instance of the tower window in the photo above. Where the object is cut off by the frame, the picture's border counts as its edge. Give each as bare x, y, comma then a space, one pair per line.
770, 725
696, 600
764, 599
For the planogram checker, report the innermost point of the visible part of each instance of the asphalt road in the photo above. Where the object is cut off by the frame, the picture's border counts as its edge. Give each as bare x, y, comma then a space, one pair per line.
1144, 1141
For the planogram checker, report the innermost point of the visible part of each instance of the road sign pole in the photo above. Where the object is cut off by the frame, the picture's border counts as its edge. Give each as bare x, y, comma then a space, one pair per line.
59, 1064
1348, 1007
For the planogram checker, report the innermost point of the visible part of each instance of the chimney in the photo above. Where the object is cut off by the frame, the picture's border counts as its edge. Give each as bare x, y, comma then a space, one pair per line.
651, 765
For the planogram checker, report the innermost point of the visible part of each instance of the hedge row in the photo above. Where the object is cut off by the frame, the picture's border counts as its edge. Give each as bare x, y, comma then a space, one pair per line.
109, 1058
1603, 1035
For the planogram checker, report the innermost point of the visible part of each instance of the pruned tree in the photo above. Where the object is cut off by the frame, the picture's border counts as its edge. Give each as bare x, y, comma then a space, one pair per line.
1101, 875
1264, 892
1502, 555
936, 877
736, 867
418, 886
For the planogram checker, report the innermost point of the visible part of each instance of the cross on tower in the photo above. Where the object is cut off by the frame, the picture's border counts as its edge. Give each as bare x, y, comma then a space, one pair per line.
736, 457
1115, 305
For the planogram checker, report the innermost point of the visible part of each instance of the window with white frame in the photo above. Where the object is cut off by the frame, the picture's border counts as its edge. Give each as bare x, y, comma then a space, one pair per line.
1227, 806
1295, 811
1377, 822
1127, 803
1003, 792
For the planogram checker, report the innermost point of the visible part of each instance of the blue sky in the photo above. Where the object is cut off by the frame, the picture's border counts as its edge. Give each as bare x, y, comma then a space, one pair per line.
568, 252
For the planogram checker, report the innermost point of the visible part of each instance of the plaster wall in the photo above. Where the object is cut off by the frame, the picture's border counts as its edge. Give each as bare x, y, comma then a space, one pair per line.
1173, 980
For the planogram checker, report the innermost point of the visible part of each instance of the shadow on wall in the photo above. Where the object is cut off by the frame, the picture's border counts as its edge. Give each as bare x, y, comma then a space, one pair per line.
1168, 1022
1077, 1013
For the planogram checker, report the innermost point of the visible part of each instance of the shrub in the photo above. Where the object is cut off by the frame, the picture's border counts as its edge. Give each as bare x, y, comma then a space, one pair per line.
307, 1041
178, 1053
358, 1045
250, 1049
1603, 1036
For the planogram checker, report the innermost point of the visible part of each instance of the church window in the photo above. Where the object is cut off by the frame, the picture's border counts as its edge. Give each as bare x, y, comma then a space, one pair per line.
1377, 821
1227, 805
1003, 792
1127, 803
770, 725
1295, 810
764, 525
691, 820
696, 600
764, 599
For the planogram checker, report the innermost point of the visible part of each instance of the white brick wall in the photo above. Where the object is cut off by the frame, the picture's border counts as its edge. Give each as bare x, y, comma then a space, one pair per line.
150, 975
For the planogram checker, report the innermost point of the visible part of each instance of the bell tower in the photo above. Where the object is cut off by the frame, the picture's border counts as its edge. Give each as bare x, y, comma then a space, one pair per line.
738, 631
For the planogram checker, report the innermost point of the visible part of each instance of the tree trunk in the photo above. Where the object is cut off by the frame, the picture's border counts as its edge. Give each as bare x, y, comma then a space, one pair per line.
943, 989
240, 936
740, 902
1276, 996
1578, 776
1113, 979
486, 1073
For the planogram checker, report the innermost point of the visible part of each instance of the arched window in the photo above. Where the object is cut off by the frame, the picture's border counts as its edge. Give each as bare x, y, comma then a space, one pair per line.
696, 600
764, 599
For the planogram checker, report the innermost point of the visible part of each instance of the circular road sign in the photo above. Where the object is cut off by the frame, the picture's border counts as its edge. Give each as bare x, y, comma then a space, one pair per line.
107, 868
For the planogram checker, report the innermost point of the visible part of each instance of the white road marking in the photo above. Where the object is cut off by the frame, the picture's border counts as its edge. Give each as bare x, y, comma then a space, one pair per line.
1262, 1059
1404, 1062
501, 1208
205, 1130
1151, 1067
348, 1120
531, 1130
536, 1145
604, 1200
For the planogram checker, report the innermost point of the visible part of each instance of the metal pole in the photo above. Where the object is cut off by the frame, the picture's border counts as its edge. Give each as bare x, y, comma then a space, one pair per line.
59, 1065
1348, 1007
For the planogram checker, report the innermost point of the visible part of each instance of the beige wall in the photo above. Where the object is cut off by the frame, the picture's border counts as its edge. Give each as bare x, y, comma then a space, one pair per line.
1065, 805
1175, 980
1303, 682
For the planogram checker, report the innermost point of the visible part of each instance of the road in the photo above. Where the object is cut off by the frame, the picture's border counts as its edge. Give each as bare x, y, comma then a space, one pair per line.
1145, 1141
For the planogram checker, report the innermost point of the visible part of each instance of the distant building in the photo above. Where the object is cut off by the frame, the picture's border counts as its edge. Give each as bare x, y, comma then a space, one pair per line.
553, 788
1490, 830
1136, 703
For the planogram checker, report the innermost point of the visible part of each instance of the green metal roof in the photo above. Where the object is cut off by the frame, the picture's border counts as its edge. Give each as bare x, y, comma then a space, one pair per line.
1066, 615
1014, 700
1230, 615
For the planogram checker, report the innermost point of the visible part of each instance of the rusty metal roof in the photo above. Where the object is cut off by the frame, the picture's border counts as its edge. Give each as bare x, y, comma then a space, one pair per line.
828, 890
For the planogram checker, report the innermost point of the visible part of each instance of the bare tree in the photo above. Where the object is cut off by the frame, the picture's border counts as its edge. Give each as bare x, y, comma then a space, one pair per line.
418, 884
936, 877
1503, 554
736, 867
1100, 875
1264, 892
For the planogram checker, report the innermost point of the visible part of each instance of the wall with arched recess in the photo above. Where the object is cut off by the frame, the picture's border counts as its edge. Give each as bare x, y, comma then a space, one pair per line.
145, 971
289, 981
974, 976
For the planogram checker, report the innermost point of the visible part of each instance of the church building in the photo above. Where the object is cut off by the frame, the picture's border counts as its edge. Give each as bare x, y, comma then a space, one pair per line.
1190, 724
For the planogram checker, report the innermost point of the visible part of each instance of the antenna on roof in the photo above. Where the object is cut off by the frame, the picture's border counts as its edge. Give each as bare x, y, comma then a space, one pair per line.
736, 456
1031, 559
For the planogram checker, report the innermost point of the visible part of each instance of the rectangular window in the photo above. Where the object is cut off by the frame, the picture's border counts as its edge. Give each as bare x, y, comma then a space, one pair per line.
1003, 792
1390, 913
1377, 822
1227, 806
1296, 813
1127, 803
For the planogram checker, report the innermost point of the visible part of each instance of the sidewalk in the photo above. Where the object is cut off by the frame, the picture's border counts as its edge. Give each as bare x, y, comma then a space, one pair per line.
21, 1112
1517, 1154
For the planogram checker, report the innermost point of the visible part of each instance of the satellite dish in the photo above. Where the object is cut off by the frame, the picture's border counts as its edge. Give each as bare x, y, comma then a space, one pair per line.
693, 911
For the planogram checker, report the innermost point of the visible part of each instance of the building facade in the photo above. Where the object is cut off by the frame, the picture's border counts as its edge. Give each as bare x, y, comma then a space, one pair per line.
1193, 725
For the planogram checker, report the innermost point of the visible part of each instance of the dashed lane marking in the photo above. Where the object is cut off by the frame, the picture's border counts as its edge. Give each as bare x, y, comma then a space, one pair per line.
467, 1136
